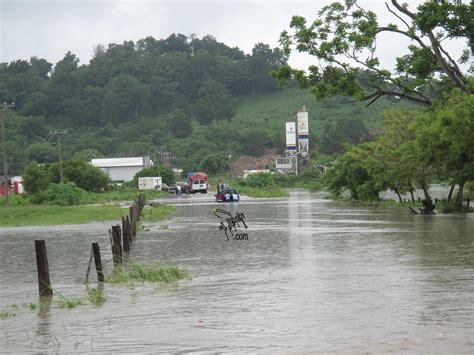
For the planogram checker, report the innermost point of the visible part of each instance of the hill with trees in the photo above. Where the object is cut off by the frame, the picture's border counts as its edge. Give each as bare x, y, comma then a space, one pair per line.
196, 98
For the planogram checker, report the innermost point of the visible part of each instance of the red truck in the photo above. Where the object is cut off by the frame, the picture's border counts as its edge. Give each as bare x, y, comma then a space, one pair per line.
197, 182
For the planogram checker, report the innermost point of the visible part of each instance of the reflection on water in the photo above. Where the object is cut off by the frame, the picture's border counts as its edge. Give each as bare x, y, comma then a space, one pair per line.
314, 276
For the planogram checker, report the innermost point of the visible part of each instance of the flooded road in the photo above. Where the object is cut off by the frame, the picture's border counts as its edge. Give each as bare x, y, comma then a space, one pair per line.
314, 276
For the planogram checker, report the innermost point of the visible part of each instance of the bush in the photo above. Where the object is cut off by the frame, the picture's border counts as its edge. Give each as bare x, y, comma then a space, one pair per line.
66, 194
16, 200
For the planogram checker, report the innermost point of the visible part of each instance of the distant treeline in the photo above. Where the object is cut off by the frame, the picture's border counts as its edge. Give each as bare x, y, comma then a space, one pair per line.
131, 98
149, 77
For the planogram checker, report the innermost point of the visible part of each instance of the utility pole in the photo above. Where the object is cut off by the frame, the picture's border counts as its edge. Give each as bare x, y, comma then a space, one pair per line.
55, 137
6, 186
230, 166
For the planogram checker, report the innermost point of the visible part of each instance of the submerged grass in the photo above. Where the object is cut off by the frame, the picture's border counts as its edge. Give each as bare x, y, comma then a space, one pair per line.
96, 296
5, 313
50, 215
156, 273
157, 213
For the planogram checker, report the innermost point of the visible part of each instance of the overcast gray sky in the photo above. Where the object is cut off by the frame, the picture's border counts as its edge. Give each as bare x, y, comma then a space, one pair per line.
49, 28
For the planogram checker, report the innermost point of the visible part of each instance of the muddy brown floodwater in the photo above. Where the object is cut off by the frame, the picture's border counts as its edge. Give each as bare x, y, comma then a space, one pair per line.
314, 276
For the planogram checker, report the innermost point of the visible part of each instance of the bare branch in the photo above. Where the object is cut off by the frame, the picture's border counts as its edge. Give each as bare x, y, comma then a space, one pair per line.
399, 17
415, 38
453, 63
449, 70
389, 78
373, 100
403, 9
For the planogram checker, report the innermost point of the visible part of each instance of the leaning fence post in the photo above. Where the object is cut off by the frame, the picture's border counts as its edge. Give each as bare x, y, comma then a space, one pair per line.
98, 262
116, 247
44, 282
125, 240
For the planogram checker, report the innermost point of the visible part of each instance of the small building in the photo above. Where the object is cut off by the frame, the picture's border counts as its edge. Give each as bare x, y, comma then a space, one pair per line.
122, 169
285, 165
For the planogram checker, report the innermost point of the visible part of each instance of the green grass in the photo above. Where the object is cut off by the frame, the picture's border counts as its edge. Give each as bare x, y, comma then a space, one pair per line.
51, 215
262, 192
156, 273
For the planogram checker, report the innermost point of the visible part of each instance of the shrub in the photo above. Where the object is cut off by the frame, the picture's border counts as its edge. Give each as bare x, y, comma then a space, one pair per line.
66, 194
35, 178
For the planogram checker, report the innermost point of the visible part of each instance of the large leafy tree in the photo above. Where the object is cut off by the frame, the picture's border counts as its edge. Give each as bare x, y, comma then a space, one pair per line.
445, 140
343, 39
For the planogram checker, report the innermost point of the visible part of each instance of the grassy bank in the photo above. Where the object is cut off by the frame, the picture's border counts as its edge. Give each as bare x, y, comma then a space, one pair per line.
54, 215
48, 215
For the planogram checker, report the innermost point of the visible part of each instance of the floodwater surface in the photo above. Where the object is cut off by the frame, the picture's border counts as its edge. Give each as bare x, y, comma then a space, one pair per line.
314, 276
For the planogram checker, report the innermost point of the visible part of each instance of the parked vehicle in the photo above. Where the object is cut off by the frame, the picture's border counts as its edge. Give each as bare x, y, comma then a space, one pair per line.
227, 195
166, 188
150, 183
183, 186
197, 182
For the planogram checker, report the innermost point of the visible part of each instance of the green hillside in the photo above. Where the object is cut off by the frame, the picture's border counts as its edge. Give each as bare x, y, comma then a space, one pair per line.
186, 101
259, 123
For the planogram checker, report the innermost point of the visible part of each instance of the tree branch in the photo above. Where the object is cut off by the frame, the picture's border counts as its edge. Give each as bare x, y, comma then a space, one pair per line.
403, 9
416, 38
376, 95
389, 78
399, 17
450, 71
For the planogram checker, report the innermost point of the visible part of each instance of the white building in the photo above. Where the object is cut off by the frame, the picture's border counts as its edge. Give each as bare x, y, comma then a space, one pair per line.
122, 169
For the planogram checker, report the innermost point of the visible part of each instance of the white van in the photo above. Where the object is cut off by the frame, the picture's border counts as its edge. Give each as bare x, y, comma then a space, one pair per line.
150, 183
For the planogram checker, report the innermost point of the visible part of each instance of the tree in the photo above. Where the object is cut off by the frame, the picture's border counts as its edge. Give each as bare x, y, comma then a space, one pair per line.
349, 174
349, 130
35, 178
84, 175
214, 163
214, 103
179, 123
445, 140
42, 153
344, 40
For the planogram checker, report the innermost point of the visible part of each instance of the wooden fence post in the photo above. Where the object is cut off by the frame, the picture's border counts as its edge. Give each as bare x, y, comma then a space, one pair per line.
44, 282
125, 240
137, 209
132, 219
129, 230
117, 246
98, 262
